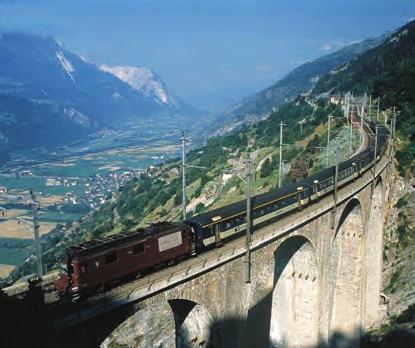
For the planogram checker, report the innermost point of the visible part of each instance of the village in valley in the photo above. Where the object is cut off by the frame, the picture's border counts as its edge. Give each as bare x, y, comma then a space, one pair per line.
63, 200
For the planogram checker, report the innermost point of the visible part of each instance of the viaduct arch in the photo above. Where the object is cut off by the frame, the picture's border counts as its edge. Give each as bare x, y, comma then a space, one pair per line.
309, 281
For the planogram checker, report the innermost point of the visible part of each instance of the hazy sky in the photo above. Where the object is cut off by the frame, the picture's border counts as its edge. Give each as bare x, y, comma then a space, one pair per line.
209, 52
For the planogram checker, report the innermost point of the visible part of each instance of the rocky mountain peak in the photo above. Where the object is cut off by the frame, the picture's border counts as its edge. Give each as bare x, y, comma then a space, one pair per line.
141, 79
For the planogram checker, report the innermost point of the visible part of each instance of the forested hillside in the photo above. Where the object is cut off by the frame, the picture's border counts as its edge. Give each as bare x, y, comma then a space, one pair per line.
386, 72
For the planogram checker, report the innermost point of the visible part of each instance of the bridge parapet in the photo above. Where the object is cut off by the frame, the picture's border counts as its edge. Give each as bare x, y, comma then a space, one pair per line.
204, 279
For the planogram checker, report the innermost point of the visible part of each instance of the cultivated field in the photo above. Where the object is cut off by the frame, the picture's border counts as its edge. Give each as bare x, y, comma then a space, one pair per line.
5, 270
14, 229
12, 213
45, 201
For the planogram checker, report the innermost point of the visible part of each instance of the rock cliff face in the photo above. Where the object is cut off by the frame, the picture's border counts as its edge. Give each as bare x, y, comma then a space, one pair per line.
399, 251
142, 330
397, 321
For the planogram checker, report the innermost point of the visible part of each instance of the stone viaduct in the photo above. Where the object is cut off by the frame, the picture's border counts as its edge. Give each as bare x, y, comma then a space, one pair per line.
316, 278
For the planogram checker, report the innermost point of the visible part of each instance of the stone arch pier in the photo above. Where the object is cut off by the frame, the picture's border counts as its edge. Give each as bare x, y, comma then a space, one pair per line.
346, 272
373, 256
295, 298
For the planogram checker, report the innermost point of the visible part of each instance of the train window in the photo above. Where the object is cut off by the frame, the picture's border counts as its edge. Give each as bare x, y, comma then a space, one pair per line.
138, 248
110, 258
84, 267
228, 225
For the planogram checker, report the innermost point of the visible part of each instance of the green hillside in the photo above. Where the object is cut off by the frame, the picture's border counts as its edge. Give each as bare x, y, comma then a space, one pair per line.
386, 72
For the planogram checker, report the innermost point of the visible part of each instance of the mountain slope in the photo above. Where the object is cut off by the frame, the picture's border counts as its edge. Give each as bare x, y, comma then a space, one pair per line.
47, 76
386, 72
25, 124
298, 81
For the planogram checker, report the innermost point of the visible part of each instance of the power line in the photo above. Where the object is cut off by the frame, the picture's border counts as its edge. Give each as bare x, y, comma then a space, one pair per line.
183, 139
280, 164
35, 208
328, 140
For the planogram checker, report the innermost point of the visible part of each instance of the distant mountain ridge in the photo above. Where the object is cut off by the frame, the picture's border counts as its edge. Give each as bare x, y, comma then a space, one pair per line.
300, 80
60, 84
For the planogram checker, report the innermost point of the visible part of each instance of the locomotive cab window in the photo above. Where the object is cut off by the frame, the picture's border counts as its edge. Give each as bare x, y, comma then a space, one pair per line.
138, 248
111, 258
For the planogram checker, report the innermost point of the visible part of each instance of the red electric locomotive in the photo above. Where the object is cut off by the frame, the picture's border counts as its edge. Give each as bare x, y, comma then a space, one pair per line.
103, 261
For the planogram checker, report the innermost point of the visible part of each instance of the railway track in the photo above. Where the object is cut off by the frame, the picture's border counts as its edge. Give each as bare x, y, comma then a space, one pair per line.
135, 289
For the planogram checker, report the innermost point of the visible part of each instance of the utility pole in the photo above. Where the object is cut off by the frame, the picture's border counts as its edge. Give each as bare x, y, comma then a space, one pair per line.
336, 180
183, 139
248, 219
375, 155
35, 208
328, 139
377, 115
392, 132
351, 137
391, 137
347, 105
280, 165
394, 121
362, 115
184, 166
247, 181
370, 107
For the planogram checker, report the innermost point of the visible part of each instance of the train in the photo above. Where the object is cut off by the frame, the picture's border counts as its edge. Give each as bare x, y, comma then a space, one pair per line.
95, 265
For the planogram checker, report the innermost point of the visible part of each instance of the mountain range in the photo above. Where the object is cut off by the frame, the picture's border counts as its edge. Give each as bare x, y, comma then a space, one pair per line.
50, 95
